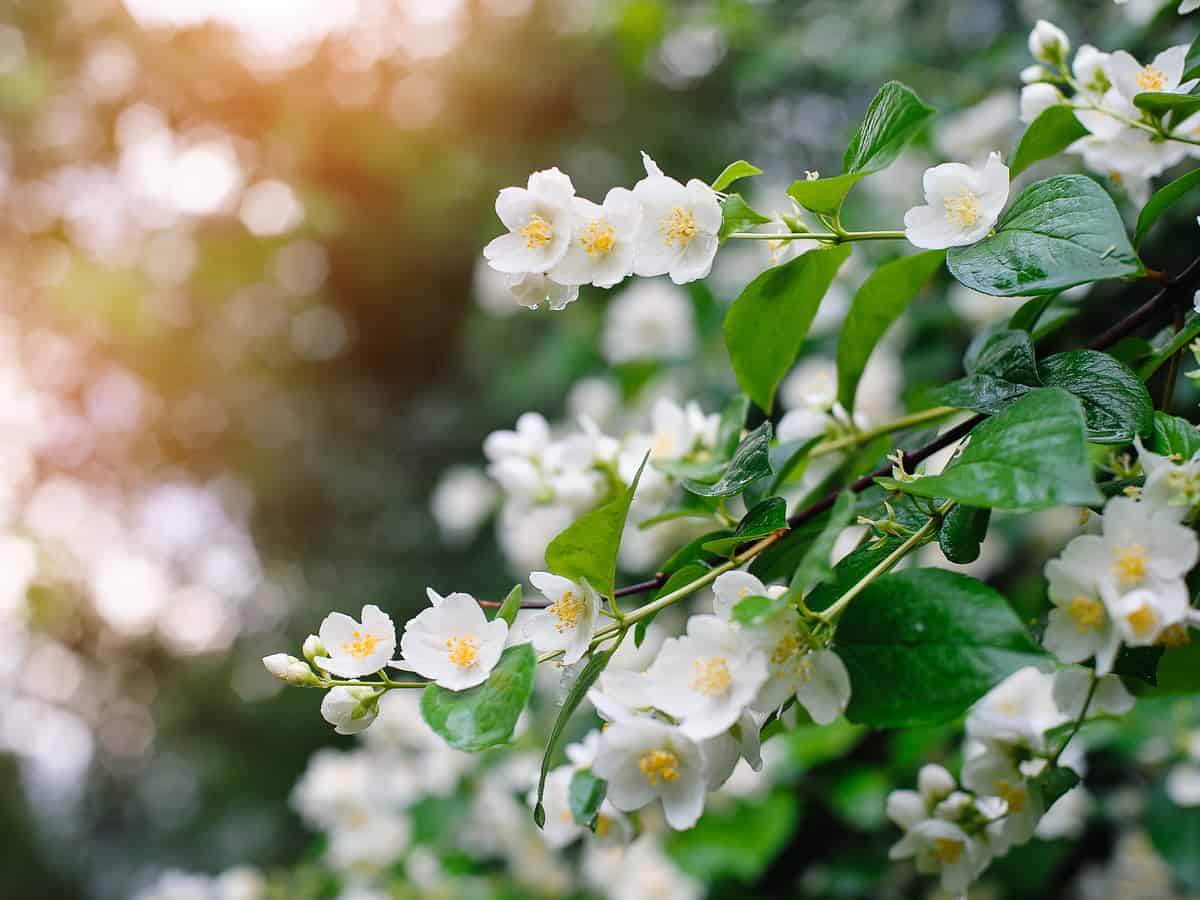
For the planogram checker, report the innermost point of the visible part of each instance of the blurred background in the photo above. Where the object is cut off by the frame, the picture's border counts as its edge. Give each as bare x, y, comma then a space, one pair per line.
245, 330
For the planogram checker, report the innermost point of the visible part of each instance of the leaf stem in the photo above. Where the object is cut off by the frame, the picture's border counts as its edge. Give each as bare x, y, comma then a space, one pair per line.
869, 434
826, 237
1087, 702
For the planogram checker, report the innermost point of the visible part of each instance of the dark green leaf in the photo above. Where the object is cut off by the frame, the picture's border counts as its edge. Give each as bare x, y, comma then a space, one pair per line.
877, 304
962, 532
587, 548
755, 610
511, 606
786, 459
767, 324
766, 517
922, 645
1173, 435
816, 565
1026, 318
1162, 200
585, 794
693, 551
981, 393
849, 570
729, 431
1139, 663
736, 215
1032, 455
751, 461
1006, 354
734, 171
1059, 232
1053, 782
485, 715
737, 842
1179, 340
583, 683
1116, 404
1053, 131
779, 561
1175, 833
1180, 106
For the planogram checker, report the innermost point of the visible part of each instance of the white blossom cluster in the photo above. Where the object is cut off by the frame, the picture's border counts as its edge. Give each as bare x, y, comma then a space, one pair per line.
1123, 143
240, 883
557, 241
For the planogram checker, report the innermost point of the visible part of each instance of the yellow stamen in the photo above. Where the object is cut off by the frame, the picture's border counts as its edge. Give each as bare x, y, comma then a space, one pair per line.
569, 608
1174, 636
659, 767
537, 232
1142, 620
362, 645
462, 651
598, 238
1011, 794
712, 676
1087, 612
603, 826
1151, 78
679, 226
948, 850
787, 648
963, 208
1130, 564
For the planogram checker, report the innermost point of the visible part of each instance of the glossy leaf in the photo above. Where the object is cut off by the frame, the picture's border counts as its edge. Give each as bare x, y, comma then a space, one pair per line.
1058, 233
1179, 106
766, 517
922, 645
1006, 354
962, 532
755, 610
981, 393
587, 548
1032, 455
1173, 435
585, 794
1162, 200
729, 431
751, 461
734, 171
511, 606
880, 300
737, 215
779, 561
1053, 131
1053, 782
1179, 340
767, 324
1026, 318
1116, 404
485, 715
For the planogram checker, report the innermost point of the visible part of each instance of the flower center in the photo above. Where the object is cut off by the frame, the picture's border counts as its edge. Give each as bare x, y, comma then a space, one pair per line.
568, 608
665, 444
1174, 636
1142, 620
785, 650
963, 208
948, 850
361, 645
1011, 794
1130, 564
679, 227
712, 676
1185, 488
537, 232
598, 238
603, 826
659, 766
1151, 78
462, 651
1087, 612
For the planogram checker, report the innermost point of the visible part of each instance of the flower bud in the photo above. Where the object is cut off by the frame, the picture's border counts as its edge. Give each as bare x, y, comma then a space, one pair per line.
1037, 98
350, 709
1048, 43
934, 782
313, 648
1033, 74
288, 668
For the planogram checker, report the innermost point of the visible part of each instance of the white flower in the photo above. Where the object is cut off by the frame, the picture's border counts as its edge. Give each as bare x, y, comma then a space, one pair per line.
677, 431
1090, 68
643, 760
723, 752
540, 220
350, 709
1174, 487
780, 251
1017, 712
940, 846
991, 773
534, 290
679, 227
706, 678
1079, 626
560, 828
1048, 43
602, 248
570, 620
290, 669
823, 685
1183, 784
357, 649
460, 502
962, 204
1143, 615
1037, 98
1071, 688
1162, 76
528, 440
648, 320
1187, 6
811, 385
452, 642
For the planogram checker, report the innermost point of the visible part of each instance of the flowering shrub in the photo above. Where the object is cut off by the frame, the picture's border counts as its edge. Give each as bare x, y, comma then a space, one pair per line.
793, 527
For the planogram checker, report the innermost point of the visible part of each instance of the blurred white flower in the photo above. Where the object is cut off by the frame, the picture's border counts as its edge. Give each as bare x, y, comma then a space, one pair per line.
649, 320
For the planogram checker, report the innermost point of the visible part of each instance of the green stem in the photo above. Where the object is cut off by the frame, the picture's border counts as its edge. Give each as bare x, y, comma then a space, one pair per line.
826, 237
386, 683
869, 434
1087, 702
914, 540
1173, 367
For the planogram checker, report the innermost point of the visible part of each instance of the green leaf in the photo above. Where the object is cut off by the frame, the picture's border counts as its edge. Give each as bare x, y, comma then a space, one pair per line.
755, 610
1192, 64
583, 683
779, 561
1032, 455
729, 431
737, 215
981, 393
1164, 198
1006, 354
738, 841
1026, 318
734, 171
766, 517
922, 645
767, 324
511, 606
587, 548
1180, 106
787, 458
1138, 663
1116, 404
877, 304
1173, 435
892, 120
1175, 833
485, 715
1054, 130
961, 533
1059, 232
1179, 340
584, 796
1053, 782
693, 551
751, 461
816, 565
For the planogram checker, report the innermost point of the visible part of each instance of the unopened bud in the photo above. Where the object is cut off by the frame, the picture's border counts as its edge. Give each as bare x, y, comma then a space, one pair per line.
1048, 43
313, 648
290, 669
